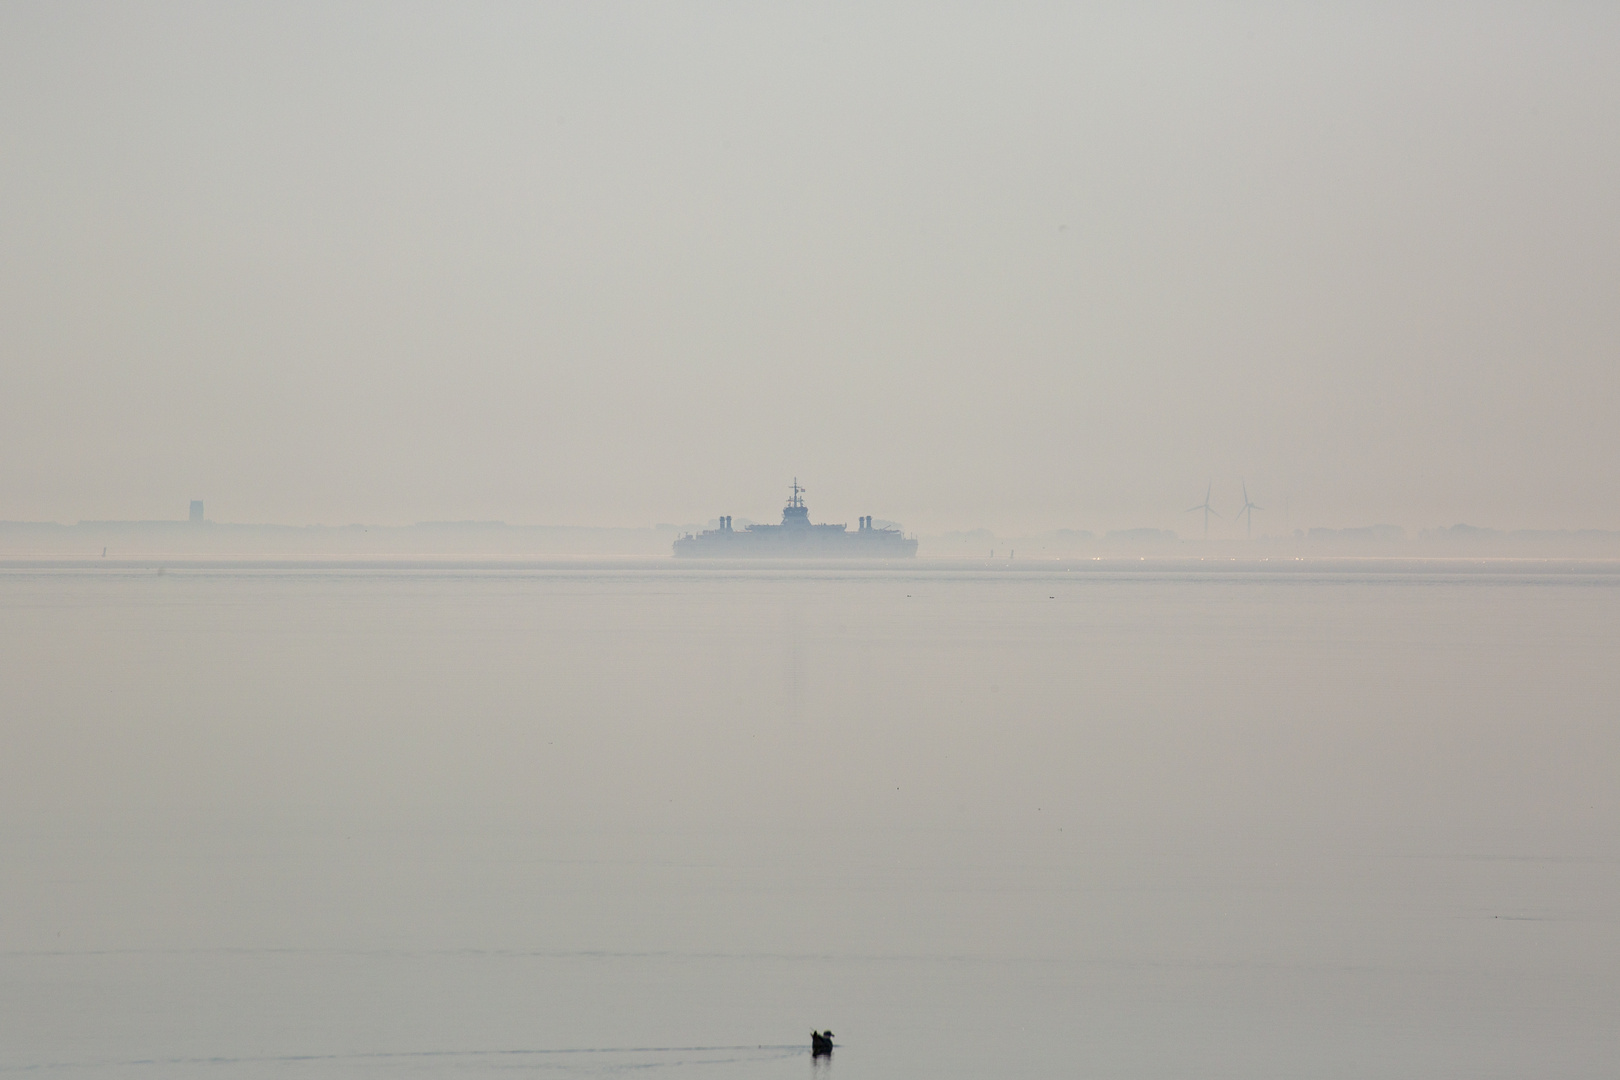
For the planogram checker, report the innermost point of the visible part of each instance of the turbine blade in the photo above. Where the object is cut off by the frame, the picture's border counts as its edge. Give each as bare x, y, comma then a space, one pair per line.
1191, 509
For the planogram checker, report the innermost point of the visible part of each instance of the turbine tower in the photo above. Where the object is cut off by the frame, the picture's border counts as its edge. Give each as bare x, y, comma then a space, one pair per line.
1205, 507
1247, 513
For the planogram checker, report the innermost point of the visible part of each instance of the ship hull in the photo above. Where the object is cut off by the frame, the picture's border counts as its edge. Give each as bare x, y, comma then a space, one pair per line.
796, 544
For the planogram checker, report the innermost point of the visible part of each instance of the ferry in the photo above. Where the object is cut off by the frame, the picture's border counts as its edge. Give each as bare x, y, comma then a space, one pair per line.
797, 538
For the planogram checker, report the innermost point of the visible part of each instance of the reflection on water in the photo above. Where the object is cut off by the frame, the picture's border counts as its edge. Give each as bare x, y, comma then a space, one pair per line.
448, 823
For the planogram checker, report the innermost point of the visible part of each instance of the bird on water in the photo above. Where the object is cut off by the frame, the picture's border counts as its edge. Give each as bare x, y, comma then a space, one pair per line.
820, 1043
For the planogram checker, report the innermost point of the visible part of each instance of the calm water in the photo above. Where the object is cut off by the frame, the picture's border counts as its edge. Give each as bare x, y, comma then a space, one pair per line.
580, 823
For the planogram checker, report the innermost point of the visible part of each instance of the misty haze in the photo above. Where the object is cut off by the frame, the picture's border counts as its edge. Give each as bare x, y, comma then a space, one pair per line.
1024, 541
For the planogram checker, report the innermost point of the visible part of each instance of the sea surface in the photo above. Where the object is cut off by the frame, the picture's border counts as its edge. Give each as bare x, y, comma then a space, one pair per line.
1272, 820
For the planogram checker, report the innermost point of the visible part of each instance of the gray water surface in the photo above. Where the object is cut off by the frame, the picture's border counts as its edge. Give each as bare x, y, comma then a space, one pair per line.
445, 822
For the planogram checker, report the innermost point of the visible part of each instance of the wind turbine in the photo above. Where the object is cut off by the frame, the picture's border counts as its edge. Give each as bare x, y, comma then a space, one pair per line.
1247, 513
1205, 507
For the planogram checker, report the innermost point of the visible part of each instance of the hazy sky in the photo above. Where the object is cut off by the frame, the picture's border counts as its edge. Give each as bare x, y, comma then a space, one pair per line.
956, 265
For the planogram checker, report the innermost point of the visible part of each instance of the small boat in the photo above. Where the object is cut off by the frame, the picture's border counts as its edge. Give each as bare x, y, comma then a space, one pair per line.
820, 1043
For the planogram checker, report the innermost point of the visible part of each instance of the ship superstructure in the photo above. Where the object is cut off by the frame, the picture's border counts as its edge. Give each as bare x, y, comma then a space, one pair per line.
797, 538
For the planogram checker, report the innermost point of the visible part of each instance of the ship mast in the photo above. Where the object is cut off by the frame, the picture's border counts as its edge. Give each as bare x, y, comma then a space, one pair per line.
796, 499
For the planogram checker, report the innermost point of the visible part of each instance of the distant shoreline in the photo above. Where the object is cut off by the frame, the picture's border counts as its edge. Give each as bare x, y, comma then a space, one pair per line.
486, 540
923, 566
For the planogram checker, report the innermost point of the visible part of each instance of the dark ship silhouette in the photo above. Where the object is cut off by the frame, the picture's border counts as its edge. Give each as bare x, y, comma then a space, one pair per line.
796, 538
821, 1044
